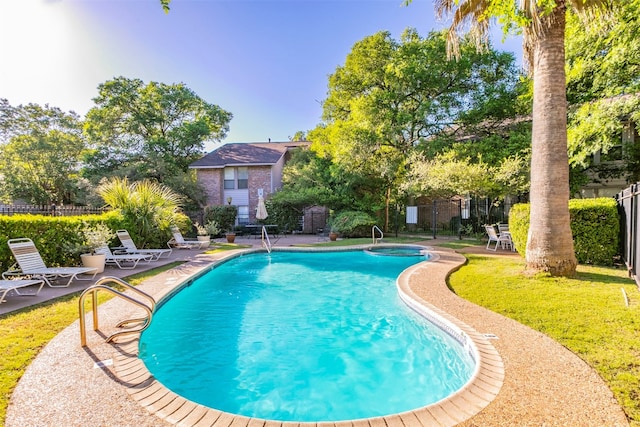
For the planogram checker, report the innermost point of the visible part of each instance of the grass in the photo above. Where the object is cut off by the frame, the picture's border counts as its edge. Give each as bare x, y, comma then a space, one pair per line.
25, 332
586, 313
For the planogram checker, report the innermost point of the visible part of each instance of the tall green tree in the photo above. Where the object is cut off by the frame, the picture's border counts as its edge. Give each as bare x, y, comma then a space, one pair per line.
393, 95
549, 243
149, 131
40, 157
603, 83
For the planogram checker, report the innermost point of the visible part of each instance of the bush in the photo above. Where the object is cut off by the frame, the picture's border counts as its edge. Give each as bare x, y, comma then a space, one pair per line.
595, 225
149, 209
352, 224
54, 236
223, 215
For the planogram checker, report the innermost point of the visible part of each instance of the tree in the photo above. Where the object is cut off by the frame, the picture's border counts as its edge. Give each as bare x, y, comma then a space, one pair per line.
603, 65
40, 160
391, 96
149, 131
549, 243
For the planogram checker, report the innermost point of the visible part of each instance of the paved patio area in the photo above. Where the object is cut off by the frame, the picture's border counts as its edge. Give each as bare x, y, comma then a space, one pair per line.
544, 383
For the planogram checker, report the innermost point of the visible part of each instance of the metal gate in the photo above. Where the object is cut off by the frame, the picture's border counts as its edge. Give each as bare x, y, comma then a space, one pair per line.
629, 217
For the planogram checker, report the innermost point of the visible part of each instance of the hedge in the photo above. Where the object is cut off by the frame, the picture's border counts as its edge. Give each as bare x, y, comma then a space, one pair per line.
595, 225
56, 237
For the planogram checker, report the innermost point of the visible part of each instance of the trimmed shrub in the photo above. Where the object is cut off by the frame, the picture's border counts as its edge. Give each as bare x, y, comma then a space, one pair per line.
595, 225
519, 226
56, 237
223, 215
352, 224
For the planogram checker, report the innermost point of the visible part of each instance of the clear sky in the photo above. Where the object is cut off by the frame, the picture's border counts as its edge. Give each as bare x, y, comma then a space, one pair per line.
265, 61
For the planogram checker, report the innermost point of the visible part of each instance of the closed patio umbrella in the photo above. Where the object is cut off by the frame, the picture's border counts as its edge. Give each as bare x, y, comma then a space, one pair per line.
261, 210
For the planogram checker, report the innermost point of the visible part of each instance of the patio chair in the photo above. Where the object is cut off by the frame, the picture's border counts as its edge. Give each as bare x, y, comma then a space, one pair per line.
503, 228
30, 263
503, 240
129, 247
14, 285
179, 242
122, 261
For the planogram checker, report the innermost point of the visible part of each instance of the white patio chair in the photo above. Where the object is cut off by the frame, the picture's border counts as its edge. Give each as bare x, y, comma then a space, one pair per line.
503, 240
129, 247
29, 263
177, 241
122, 261
14, 285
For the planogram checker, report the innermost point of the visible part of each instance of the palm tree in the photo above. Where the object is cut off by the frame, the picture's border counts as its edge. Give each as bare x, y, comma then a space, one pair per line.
149, 208
550, 243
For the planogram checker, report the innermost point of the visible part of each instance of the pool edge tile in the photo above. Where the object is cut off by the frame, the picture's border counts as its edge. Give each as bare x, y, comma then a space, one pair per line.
478, 392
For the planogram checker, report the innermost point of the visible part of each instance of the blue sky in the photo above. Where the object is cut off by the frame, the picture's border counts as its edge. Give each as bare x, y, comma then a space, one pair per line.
265, 61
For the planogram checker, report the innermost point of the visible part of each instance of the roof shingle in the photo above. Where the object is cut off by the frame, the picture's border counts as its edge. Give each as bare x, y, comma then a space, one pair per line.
245, 154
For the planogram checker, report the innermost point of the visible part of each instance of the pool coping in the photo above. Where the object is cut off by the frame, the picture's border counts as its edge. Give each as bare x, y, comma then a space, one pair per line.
474, 396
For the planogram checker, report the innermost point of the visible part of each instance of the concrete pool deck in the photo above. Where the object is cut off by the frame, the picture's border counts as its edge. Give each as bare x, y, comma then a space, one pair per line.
544, 383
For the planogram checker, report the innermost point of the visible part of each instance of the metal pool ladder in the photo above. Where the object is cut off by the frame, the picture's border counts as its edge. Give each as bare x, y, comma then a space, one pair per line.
373, 234
266, 243
148, 307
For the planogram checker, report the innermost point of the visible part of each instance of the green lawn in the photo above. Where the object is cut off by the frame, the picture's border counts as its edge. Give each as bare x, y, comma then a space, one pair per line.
587, 314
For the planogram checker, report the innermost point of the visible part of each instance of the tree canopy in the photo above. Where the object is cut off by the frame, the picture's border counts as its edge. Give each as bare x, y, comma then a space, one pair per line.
603, 87
391, 96
149, 131
40, 156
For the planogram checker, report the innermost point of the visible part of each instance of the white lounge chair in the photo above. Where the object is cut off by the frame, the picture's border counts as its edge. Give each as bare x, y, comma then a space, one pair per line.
177, 241
122, 261
129, 247
14, 285
503, 240
30, 263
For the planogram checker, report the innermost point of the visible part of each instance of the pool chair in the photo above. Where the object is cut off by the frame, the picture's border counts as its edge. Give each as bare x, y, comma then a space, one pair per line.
503, 239
14, 285
122, 261
179, 242
29, 263
129, 247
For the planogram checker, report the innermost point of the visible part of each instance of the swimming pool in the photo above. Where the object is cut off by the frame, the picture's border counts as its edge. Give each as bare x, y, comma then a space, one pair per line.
289, 348
396, 250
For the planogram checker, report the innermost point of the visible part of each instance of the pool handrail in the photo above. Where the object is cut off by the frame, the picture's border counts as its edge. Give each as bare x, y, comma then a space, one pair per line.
93, 291
266, 243
373, 234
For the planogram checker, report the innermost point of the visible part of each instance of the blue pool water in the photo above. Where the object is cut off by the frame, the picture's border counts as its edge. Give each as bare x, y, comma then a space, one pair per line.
305, 337
405, 250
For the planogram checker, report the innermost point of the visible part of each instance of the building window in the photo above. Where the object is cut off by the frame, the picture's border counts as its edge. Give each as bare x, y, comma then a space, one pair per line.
236, 178
243, 215
229, 179
243, 178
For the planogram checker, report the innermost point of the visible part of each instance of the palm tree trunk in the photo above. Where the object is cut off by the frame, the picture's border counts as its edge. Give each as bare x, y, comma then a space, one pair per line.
550, 243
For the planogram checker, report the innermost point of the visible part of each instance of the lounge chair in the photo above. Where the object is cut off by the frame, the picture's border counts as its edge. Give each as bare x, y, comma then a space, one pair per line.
122, 261
30, 263
177, 241
503, 240
14, 285
129, 247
